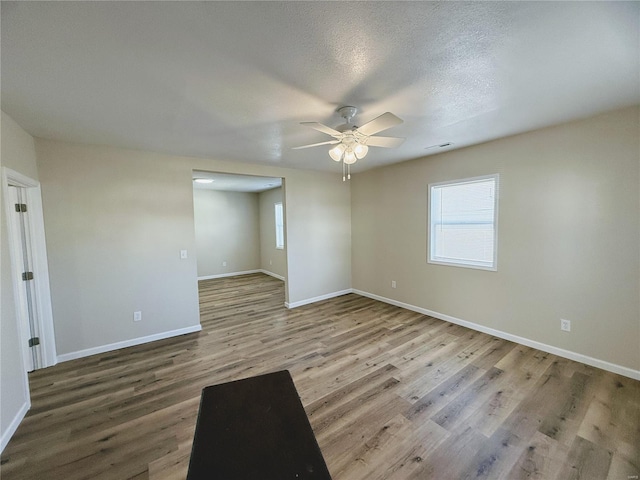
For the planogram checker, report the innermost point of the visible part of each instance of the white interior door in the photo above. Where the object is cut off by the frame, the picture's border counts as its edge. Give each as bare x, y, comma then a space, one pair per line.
26, 295
28, 253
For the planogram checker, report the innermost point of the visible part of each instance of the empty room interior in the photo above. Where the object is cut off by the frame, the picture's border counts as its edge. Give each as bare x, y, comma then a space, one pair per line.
425, 216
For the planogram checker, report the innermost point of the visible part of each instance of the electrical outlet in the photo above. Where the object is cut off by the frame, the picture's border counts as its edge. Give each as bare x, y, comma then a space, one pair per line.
183, 254
224, 264
393, 284
137, 316
565, 325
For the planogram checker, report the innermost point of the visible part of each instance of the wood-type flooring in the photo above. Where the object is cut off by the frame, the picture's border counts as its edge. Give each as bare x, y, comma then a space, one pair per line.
391, 394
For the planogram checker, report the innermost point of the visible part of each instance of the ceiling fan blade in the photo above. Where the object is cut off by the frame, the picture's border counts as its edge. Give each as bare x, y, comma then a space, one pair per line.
378, 124
388, 142
322, 128
330, 142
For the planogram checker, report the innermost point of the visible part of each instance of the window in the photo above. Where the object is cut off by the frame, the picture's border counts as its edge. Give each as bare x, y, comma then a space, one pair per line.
279, 226
463, 221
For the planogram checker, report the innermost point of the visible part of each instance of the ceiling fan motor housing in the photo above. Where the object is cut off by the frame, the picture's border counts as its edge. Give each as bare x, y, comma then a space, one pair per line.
345, 127
347, 112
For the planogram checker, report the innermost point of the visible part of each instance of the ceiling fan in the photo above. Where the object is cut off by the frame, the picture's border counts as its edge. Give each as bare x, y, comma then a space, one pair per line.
352, 142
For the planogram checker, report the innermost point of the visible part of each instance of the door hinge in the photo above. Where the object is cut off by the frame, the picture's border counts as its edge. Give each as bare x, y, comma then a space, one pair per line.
34, 341
21, 207
27, 276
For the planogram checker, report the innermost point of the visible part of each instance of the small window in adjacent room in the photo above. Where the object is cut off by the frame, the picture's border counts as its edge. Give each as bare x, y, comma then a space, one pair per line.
463, 222
279, 226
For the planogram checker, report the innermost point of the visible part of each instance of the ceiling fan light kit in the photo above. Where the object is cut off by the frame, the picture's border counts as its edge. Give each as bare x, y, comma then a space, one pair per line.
352, 142
336, 152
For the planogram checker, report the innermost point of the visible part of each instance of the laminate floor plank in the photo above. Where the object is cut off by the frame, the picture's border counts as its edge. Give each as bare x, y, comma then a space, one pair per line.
586, 461
541, 460
391, 394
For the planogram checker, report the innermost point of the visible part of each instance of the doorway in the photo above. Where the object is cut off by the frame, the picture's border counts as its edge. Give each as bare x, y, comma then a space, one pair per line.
239, 225
29, 270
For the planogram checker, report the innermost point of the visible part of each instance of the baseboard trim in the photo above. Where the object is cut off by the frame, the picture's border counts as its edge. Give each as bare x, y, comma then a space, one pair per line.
13, 426
578, 357
127, 343
327, 296
232, 274
246, 272
274, 275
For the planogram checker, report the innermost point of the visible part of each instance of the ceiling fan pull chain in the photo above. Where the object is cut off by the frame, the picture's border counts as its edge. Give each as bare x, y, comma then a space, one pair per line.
343, 178
349, 172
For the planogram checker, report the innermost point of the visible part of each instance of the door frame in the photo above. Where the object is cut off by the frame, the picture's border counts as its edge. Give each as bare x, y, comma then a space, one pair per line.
42, 300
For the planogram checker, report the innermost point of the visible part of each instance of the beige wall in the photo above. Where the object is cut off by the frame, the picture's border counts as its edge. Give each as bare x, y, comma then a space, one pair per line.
568, 239
18, 149
318, 228
227, 229
272, 259
116, 220
17, 152
239, 229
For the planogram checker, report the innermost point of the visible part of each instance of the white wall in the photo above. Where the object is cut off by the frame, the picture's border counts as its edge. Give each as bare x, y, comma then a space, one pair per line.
227, 229
568, 240
272, 259
17, 152
116, 220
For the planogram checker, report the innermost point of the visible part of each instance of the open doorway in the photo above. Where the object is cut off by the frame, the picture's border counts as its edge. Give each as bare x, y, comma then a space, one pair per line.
239, 225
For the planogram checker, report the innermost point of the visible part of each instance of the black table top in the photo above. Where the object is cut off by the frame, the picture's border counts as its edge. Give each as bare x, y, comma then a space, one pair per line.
255, 429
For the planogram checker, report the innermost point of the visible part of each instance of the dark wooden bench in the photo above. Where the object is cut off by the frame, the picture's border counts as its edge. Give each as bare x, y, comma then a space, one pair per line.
255, 429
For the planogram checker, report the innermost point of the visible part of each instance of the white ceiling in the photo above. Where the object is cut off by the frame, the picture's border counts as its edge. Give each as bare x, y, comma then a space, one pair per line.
233, 80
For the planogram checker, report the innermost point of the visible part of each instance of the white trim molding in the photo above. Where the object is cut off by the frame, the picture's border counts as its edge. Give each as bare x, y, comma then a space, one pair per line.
578, 357
231, 274
271, 274
246, 272
65, 357
327, 296
15, 423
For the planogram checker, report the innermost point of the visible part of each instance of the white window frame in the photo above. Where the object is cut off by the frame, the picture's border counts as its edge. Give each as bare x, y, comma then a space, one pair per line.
279, 226
431, 258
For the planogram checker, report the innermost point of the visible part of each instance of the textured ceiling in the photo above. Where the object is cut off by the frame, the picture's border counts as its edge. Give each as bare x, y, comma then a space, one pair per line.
233, 80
